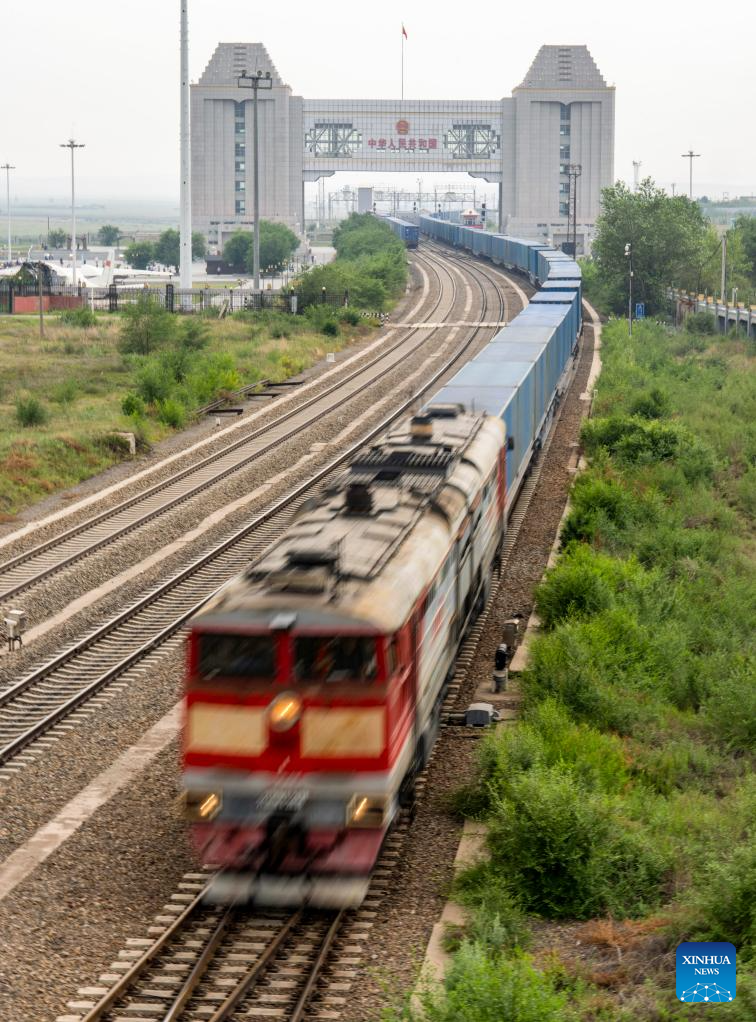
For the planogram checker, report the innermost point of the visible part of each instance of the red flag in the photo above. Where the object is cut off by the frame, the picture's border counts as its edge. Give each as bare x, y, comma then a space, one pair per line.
404, 31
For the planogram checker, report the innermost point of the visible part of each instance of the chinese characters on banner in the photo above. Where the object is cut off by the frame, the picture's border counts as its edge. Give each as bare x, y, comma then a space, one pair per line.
411, 144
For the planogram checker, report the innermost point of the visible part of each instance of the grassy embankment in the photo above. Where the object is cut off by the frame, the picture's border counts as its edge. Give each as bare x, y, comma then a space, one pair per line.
621, 808
76, 379
63, 397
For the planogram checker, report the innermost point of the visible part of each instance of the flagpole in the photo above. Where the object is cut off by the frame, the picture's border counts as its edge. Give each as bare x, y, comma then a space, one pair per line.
402, 61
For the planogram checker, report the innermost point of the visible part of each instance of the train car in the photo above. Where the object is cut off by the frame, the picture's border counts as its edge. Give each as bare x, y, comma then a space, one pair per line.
315, 680
562, 298
403, 229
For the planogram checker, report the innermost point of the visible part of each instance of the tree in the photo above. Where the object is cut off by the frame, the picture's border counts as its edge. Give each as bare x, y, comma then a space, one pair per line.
109, 234
745, 229
277, 244
199, 245
57, 238
140, 254
145, 326
669, 238
237, 249
167, 248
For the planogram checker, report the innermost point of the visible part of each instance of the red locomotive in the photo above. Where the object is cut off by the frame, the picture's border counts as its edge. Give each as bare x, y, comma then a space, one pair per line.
315, 679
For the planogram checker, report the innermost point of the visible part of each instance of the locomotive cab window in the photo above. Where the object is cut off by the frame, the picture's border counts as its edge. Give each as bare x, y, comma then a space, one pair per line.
334, 658
237, 656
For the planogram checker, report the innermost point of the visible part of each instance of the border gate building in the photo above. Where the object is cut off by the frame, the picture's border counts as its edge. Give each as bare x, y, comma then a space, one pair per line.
562, 113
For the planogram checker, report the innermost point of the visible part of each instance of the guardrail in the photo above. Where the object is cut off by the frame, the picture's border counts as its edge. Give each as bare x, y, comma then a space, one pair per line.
740, 316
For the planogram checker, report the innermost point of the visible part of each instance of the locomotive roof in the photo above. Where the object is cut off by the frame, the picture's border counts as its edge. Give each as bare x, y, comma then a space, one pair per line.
349, 552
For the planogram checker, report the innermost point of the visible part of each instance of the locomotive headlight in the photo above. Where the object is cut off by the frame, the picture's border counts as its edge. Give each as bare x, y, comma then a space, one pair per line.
202, 806
366, 811
285, 711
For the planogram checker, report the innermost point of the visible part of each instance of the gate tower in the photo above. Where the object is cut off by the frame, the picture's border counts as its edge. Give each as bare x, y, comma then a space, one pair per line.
562, 113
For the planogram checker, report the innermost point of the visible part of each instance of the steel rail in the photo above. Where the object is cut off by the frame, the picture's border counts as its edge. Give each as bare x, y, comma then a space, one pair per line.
177, 477
298, 1011
129, 978
252, 977
200, 967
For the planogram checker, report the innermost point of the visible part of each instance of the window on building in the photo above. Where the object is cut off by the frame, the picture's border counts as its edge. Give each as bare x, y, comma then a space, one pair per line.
239, 128
564, 120
564, 153
241, 206
240, 166
564, 168
564, 187
240, 186
241, 149
239, 111
564, 209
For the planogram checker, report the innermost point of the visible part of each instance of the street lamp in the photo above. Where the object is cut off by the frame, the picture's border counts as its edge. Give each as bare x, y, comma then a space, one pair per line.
629, 257
73, 145
255, 82
7, 167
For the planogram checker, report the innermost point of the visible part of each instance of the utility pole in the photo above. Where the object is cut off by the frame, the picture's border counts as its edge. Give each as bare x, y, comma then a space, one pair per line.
73, 145
576, 170
41, 302
7, 167
724, 268
690, 155
257, 82
185, 230
629, 257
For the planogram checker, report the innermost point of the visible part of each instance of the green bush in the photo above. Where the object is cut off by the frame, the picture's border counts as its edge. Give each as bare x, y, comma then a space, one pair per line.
566, 852
726, 897
652, 405
172, 413
64, 393
30, 412
154, 382
731, 704
481, 987
133, 406
701, 323
146, 326
195, 335
350, 316
83, 317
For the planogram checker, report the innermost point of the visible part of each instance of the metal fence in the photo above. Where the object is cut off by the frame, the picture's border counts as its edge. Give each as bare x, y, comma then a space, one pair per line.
194, 300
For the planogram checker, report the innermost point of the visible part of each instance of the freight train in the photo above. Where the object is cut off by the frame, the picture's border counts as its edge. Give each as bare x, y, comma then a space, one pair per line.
404, 230
315, 679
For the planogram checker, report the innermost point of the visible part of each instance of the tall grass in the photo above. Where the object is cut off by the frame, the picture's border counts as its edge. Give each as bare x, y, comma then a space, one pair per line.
628, 784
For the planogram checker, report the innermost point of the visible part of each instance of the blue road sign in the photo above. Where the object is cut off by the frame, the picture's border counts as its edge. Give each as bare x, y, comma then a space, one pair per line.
640, 310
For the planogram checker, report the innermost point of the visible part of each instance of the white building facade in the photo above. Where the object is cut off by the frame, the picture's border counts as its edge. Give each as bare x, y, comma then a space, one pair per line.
562, 114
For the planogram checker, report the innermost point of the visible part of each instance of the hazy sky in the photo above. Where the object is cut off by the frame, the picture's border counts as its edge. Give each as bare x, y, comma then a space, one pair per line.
108, 72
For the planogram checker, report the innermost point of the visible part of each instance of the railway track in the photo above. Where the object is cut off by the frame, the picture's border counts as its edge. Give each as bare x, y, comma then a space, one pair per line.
220, 964
20, 573
339, 977
45, 697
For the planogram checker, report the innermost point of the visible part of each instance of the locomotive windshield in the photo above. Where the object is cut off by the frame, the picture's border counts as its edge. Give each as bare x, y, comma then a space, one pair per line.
334, 658
237, 656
